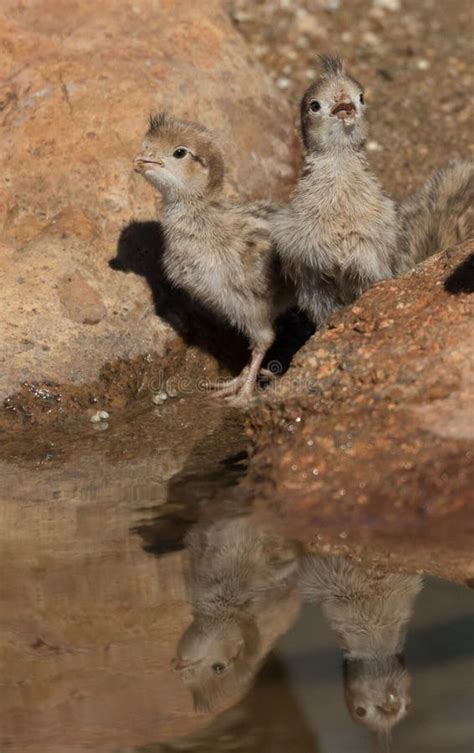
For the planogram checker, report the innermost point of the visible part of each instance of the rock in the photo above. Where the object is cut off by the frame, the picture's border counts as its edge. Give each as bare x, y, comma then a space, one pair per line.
77, 90
82, 302
370, 431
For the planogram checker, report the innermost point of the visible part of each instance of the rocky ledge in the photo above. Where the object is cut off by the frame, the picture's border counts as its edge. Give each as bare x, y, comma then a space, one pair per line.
366, 444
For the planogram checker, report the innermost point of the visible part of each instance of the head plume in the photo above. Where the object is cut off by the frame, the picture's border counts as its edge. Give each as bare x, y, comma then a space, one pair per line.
156, 122
332, 65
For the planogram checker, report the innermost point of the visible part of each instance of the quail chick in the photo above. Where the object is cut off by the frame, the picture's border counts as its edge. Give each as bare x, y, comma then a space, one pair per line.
235, 570
340, 233
218, 251
369, 613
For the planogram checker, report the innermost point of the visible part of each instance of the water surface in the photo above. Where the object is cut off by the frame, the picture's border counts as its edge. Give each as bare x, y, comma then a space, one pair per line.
97, 590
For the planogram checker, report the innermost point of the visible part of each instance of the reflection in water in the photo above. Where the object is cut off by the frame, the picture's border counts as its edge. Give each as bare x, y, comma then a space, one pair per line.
91, 623
268, 720
369, 612
241, 581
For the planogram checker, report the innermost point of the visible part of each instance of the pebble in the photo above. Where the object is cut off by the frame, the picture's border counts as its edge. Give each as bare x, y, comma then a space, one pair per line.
392, 5
423, 65
283, 83
160, 397
370, 38
306, 23
102, 426
374, 146
101, 415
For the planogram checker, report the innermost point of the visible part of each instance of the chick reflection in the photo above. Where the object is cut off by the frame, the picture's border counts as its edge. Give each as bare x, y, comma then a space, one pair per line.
268, 718
242, 582
369, 612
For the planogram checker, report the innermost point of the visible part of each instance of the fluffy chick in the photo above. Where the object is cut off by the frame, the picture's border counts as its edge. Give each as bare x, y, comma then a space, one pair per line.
235, 569
369, 613
218, 251
340, 233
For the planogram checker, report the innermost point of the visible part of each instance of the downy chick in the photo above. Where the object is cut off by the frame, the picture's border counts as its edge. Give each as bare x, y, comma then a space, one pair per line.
236, 574
340, 233
369, 613
218, 251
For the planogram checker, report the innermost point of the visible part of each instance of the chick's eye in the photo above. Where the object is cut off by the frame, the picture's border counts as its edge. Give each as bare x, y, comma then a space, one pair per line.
180, 152
360, 711
362, 100
218, 668
314, 106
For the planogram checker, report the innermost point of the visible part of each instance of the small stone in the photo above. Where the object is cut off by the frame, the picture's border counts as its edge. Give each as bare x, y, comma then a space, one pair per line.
302, 42
306, 23
422, 64
103, 415
101, 426
241, 16
95, 419
373, 146
283, 82
370, 38
392, 5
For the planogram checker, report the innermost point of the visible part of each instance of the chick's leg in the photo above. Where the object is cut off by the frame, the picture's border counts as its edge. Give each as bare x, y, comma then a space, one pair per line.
246, 391
227, 386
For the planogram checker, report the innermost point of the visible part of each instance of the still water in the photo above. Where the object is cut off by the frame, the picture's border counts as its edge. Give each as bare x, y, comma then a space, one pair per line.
143, 610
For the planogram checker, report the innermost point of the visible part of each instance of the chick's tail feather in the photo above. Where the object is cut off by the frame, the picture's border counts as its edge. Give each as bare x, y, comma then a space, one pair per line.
439, 215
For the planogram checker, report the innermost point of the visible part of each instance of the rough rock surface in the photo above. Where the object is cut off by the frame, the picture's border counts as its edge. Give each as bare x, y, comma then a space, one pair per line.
78, 80
366, 444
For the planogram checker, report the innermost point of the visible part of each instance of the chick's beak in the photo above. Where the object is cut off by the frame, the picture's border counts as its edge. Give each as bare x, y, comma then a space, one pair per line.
180, 664
141, 161
391, 706
344, 108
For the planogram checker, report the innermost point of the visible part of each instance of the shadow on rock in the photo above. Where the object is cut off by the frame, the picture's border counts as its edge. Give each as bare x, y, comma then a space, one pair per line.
140, 250
461, 280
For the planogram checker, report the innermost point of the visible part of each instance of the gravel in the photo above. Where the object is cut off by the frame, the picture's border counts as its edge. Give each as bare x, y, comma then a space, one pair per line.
414, 58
